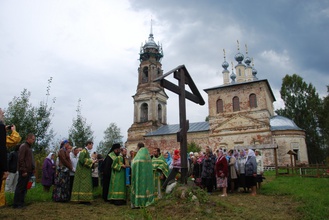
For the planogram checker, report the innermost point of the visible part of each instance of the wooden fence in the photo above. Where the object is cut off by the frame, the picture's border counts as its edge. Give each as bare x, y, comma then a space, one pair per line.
312, 170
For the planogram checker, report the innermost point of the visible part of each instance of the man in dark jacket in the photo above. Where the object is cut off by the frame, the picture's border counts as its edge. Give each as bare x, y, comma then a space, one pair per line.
25, 170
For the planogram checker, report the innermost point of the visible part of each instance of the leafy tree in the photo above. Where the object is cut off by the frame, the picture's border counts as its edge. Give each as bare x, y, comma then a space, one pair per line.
193, 147
303, 105
31, 119
112, 135
324, 124
80, 132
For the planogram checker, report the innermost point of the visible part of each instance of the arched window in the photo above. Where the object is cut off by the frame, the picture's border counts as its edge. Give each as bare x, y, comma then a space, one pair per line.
160, 113
252, 101
219, 106
145, 75
144, 112
236, 104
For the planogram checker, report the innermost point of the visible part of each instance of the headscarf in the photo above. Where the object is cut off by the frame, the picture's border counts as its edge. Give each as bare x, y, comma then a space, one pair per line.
176, 155
169, 159
251, 153
242, 153
49, 157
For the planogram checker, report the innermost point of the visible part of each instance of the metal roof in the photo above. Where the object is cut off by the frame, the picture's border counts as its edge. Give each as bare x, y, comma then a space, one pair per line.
173, 129
279, 123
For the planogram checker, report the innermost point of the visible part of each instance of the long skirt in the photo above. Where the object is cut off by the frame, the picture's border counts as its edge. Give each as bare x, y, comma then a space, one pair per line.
61, 192
221, 182
250, 181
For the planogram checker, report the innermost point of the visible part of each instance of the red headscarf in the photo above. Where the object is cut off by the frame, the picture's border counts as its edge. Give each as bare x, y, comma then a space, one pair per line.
176, 155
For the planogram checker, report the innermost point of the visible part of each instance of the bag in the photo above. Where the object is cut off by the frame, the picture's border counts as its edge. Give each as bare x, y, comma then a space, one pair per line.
29, 184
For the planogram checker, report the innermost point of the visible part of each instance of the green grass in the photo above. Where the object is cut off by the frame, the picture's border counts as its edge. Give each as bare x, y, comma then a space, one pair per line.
313, 193
283, 197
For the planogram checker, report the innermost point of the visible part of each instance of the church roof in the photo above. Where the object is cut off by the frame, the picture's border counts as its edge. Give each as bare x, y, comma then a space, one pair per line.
242, 83
279, 123
173, 129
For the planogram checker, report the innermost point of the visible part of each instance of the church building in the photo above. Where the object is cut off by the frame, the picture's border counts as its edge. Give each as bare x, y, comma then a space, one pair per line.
241, 113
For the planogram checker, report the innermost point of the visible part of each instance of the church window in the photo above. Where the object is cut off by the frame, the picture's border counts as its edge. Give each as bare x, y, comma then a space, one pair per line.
252, 101
145, 75
144, 112
236, 104
219, 106
160, 113
239, 72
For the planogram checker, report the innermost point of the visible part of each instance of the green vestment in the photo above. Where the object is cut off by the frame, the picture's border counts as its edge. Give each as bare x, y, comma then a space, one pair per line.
142, 186
117, 189
160, 167
82, 186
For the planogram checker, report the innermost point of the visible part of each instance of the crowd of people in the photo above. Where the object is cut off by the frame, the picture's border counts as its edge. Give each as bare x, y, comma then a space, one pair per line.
227, 171
140, 177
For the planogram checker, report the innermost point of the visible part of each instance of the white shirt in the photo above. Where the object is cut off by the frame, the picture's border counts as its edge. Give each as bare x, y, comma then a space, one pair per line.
74, 162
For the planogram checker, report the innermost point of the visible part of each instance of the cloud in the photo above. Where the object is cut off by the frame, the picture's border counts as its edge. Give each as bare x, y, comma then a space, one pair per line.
91, 50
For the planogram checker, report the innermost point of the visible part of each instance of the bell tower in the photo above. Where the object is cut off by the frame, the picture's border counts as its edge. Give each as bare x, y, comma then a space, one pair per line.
150, 100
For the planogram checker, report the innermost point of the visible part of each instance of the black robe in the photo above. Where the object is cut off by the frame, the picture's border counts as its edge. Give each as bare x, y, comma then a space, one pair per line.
106, 170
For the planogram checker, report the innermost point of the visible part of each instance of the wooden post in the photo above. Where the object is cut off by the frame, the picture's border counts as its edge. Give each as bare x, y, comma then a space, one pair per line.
276, 163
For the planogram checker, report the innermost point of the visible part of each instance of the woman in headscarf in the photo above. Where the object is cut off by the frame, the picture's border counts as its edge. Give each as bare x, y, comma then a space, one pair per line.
241, 169
48, 172
176, 166
251, 171
221, 169
168, 158
208, 170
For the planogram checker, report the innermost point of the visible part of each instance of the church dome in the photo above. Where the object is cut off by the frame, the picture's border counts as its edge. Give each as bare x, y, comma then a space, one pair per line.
150, 43
279, 123
247, 61
225, 65
239, 57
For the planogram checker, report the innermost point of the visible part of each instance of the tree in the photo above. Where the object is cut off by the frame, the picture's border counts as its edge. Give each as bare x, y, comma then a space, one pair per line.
324, 124
303, 105
112, 135
30, 119
80, 132
193, 147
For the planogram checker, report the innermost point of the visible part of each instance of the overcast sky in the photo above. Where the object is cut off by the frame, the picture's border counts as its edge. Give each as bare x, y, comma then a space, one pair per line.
91, 49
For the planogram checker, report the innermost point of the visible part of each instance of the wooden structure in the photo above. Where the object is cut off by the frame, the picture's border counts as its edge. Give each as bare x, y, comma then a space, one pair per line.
182, 75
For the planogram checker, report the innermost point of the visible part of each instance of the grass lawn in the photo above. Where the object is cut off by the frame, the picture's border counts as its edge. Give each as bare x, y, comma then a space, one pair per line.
280, 198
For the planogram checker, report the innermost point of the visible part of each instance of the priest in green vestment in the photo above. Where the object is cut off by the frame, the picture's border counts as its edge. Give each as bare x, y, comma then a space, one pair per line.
117, 188
82, 186
160, 172
142, 186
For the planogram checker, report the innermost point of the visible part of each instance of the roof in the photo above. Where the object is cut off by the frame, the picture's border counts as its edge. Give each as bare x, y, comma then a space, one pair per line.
242, 83
279, 123
173, 129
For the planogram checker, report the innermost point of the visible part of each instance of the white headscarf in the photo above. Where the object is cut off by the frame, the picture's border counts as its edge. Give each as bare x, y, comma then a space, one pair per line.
49, 156
251, 153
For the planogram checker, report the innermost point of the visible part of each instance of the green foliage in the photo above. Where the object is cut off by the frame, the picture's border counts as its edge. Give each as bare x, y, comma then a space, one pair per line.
193, 147
303, 106
112, 135
324, 124
80, 132
32, 119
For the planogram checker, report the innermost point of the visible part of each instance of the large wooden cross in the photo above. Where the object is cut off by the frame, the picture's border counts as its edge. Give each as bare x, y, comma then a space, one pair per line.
183, 77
